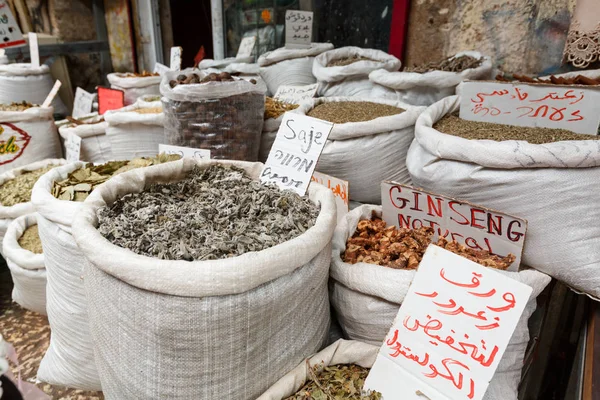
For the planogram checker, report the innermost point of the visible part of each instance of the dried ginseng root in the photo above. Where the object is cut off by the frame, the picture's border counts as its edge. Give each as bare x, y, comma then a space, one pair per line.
482, 257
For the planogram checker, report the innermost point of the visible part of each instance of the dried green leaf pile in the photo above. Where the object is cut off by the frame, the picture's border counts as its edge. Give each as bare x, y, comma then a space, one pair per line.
214, 213
18, 189
335, 382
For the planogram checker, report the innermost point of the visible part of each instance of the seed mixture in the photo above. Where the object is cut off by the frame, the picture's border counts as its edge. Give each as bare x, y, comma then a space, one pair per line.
22, 106
335, 382
143, 74
450, 64
151, 110
275, 108
18, 189
451, 124
342, 62
551, 80
81, 182
215, 213
374, 242
30, 240
341, 112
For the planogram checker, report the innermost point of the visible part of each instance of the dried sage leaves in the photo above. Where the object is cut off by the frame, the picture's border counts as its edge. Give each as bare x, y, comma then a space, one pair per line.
18, 189
30, 240
213, 213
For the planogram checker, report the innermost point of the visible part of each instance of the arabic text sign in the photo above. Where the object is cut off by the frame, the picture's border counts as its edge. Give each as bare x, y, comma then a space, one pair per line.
198, 154
73, 147
83, 103
549, 106
246, 47
298, 29
474, 226
295, 94
10, 33
295, 152
340, 191
450, 332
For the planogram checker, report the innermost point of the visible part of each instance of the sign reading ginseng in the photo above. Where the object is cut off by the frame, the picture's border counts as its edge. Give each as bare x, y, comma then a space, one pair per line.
13, 142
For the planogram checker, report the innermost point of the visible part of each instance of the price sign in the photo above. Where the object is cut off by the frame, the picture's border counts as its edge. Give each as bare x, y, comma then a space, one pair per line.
450, 332
110, 99
52, 94
198, 154
10, 34
246, 47
295, 94
73, 147
476, 227
34, 50
295, 152
160, 68
549, 106
83, 103
298, 29
176, 58
340, 191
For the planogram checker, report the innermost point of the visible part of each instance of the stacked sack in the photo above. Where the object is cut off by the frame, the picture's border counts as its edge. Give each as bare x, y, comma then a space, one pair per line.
95, 145
134, 85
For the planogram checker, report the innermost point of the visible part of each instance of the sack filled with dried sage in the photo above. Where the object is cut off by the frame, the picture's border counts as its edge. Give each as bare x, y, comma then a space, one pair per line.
215, 251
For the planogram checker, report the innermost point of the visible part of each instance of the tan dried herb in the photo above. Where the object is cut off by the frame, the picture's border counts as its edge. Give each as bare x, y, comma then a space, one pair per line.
84, 121
17, 106
342, 62
143, 74
275, 108
151, 110
30, 240
335, 382
450, 64
341, 112
18, 189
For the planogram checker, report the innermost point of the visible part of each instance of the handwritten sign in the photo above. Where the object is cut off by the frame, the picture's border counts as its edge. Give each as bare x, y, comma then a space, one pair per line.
295, 152
52, 94
298, 29
295, 94
548, 106
110, 99
176, 58
34, 50
83, 103
161, 68
10, 34
246, 47
474, 226
340, 191
450, 332
198, 154
73, 147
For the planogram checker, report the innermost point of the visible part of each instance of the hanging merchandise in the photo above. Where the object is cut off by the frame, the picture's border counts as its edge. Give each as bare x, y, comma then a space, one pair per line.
262, 281
220, 113
290, 66
95, 146
135, 130
24, 82
27, 134
368, 142
427, 84
366, 298
512, 171
274, 110
224, 63
248, 72
22, 249
135, 85
345, 71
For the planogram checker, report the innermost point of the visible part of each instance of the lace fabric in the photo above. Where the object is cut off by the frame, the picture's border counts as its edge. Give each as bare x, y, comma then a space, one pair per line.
582, 47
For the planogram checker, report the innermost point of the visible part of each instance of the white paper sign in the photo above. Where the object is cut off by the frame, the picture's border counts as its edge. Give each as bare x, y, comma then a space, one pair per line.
538, 105
298, 29
198, 154
476, 227
246, 47
34, 50
160, 68
175, 58
450, 332
83, 103
295, 152
340, 191
10, 33
52, 94
295, 94
73, 147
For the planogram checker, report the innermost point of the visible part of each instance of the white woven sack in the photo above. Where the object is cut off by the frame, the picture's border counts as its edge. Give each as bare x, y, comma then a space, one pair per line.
27, 268
548, 184
24, 82
426, 88
95, 145
266, 309
248, 72
340, 352
35, 137
352, 79
9, 213
366, 153
290, 66
366, 298
224, 63
69, 360
134, 87
132, 134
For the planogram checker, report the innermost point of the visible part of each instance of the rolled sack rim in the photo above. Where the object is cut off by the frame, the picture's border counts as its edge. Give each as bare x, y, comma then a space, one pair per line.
12, 250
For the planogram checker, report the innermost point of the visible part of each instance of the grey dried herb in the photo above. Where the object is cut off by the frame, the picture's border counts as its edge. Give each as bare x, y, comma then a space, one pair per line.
18, 189
30, 240
342, 62
215, 213
451, 64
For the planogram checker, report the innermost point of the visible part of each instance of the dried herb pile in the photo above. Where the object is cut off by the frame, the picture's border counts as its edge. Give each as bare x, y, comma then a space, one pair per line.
341, 112
22, 106
81, 182
75, 121
30, 240
275, 108
215, 213
450, 64
151, 110
551, 80
18, 189
374, 242
335, 382
342, 62
451, 124
143, 74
